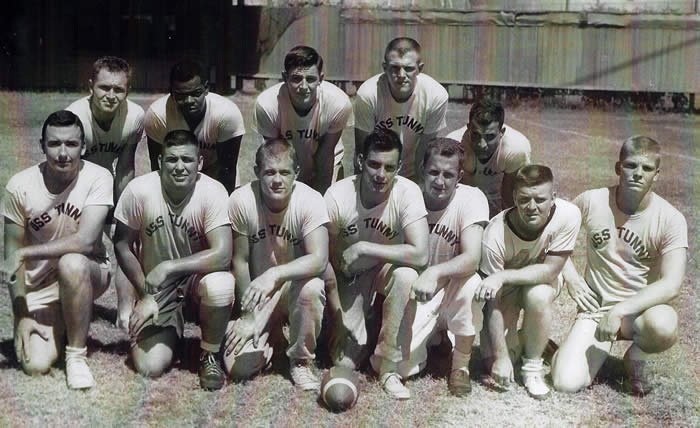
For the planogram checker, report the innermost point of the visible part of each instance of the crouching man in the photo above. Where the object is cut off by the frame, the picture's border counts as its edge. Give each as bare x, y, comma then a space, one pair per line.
523, 252
54, 261
636, 260
379, 241
174, 245
280, 251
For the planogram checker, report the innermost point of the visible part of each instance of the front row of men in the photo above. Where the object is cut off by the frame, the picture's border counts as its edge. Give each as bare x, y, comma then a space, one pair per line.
421, 260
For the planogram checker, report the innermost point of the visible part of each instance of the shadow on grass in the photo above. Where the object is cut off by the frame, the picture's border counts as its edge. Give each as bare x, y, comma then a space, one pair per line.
7, 350
106, 313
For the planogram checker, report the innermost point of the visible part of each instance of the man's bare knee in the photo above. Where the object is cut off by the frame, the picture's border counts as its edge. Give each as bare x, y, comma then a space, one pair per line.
568, 374
154, 362
538, 297
73, 268
659, 329
39, 364
404, 276
312, 291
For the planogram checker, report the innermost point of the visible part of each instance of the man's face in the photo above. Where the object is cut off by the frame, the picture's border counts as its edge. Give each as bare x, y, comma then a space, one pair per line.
179, 166
276, 176
303, 82
440, 177
638, 171
379, 170
484, 140
533, 204
402, 73
63, 147
190, 96
108, 90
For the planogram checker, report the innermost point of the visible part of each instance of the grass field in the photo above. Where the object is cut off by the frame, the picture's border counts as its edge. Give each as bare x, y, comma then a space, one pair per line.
580, 145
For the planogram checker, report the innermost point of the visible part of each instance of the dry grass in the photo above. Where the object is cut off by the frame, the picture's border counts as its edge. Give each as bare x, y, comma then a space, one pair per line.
580, 146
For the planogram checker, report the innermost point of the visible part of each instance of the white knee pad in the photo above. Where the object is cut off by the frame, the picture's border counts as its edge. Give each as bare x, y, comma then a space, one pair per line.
217, 289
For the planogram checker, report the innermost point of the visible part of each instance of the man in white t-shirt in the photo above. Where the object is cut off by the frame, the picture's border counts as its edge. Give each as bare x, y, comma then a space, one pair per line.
404, 100
379, 240
216, 121
280, 251
636, 260
523, 252
54, 262
494, 152
457, 214
174, 245
309, 112
113, 128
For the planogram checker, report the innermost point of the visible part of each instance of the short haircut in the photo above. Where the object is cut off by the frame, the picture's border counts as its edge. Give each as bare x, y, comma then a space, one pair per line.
273, 148
382, 140
402, 45
445, 147
302, 56
112, 64
486, 110
179, 137
186, 70
640, 144
532, 175
63, 118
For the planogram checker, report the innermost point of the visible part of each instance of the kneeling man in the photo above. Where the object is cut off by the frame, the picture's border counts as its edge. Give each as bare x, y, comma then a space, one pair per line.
54, 261
379, 240
636, 260
523, 252
280, 251
174, 245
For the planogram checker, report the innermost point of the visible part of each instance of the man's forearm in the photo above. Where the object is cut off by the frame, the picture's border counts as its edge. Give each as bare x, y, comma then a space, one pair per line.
304, 267
464, 265
203, 262
75, 243
18, 295
529, 275
400, 255
131, 267
656, 293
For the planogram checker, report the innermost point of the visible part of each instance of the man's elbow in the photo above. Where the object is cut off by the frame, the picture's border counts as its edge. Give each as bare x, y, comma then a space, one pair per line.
420, 260
319, 264
221, 260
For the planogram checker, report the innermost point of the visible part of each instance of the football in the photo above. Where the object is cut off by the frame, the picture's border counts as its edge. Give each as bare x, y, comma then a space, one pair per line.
339, 388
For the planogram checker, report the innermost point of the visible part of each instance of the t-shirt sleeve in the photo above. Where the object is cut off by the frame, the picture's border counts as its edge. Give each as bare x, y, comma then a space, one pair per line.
102, 189
517, 155
343, 112
492, 257
475, 209
581, 202
364, 113
237, 212
333, 211
412, 205
11, 205
675, 234
436, 119
217, 209
129, 209
137, 131
155, 125
565, 237
231, 123
264, 121
315, 214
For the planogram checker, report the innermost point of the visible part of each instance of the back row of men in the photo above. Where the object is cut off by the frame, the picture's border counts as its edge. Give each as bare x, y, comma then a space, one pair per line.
429, 251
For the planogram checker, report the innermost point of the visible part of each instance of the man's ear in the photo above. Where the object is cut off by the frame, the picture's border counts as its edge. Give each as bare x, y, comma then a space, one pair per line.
420, 67
206, 88
321, 77
618, 168
284, 76
90, 87
41, 144
360, 161
385, 66
256, 171
83, 148
554, 195
200, 162
656, 176
160, 162
460, 175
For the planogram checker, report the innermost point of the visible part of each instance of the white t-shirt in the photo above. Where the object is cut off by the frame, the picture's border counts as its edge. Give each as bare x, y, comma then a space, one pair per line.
221, 122
502, 248
512, 153
103, 147
168, 231
275, 238
623, 250
275, 117
382, 224
47, 217
423, 113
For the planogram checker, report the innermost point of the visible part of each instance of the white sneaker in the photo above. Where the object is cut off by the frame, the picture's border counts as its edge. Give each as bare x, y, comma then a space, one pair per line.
391, 382
302, 376
78, 374
532, 373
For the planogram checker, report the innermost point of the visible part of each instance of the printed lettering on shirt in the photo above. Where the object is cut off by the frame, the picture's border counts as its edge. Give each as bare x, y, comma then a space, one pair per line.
405, 121
275, 230
445, 233
302, 134
110, 147
378, 224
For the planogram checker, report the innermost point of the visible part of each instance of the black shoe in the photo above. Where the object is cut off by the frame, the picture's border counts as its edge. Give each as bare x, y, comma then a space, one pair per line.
211, 377
459, 383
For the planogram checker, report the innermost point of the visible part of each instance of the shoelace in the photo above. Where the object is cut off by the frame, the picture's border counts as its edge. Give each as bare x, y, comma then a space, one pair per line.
303, 375
210, 365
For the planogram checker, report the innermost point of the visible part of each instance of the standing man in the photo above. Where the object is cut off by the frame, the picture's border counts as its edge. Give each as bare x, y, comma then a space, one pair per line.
404, 100
113, 128
280, 251
216, 122
457, 214
309, 112
494, 152
523, 252
174, 245
379, 240
54, 261
636, 260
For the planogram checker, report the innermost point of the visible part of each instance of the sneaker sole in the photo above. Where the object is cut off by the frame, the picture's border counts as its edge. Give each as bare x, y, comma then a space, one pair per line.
211, 384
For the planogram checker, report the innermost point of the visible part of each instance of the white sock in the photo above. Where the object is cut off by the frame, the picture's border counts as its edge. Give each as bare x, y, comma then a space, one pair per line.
76, 352
533, 365
460, 360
